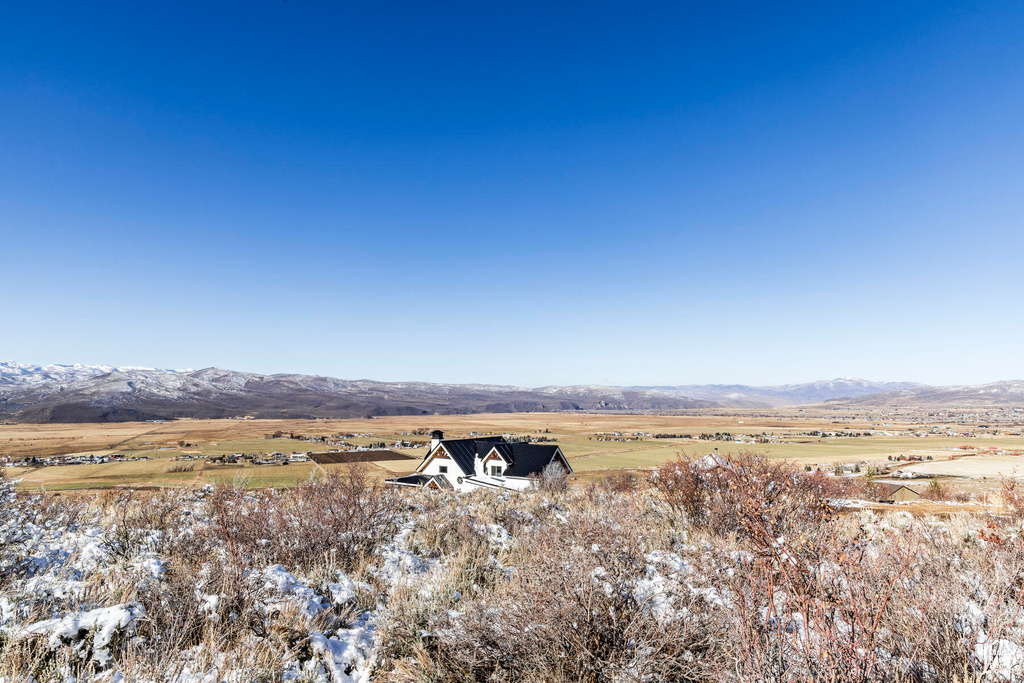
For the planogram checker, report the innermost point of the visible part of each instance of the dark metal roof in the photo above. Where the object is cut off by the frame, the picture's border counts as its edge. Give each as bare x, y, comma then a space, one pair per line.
463, 451
410, 480
521, 459
421, 480
441, 481
504, 449
529, 458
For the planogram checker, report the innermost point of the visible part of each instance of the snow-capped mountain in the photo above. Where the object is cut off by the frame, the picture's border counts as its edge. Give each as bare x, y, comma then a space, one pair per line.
743, 396
22, 375
1007, 393
74, 393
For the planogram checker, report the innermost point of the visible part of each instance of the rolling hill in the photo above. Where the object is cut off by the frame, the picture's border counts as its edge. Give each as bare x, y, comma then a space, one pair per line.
1003, 394
743, 396
81, 393
100, 393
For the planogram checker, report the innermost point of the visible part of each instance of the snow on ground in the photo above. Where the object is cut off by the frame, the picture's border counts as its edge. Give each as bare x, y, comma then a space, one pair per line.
57, 570
291, 591
55, 566
102, 624
349, 656
399, 563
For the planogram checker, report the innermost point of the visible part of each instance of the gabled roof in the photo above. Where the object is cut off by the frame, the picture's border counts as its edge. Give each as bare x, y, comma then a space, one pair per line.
441, 481
463, 451
522, 459
529, 458
886, 489
504, 450
421, 480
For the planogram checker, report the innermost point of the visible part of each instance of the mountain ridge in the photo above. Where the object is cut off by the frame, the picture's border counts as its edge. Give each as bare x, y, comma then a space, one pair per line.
1003, 393
746, 396
109, 393
98, 393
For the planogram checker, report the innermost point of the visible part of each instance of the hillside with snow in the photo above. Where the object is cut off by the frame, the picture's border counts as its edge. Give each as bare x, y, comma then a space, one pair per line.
994, 394
338, 580
78, 393
743, 396
88, 393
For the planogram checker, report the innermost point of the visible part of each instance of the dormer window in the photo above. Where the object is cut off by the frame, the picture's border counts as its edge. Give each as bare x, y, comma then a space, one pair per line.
495, 470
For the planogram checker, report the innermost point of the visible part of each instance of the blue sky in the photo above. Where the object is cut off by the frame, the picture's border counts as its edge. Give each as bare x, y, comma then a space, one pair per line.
525, 193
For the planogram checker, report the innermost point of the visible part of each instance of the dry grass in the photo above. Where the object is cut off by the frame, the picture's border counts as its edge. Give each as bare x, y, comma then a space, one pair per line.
743, 573
591, 459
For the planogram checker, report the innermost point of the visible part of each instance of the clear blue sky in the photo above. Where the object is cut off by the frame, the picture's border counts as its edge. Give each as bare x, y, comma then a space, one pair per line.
516, 192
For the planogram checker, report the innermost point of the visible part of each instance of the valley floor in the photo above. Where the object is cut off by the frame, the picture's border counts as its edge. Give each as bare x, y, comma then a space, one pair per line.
596, 444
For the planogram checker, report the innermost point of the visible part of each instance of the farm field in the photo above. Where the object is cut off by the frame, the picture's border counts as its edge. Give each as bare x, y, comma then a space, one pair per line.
987, 466
588, 440
814, 452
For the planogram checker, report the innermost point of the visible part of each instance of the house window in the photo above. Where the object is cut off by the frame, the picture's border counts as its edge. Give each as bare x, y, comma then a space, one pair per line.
443, 469
495, 470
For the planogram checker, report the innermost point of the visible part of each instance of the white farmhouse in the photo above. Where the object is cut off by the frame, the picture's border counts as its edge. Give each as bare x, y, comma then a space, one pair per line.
483, 462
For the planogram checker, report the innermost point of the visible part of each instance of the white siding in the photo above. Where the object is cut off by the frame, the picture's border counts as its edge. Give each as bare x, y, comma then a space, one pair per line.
481, 473
435, 465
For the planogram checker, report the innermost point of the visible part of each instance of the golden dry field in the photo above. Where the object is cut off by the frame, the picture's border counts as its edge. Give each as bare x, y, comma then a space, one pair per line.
588, 440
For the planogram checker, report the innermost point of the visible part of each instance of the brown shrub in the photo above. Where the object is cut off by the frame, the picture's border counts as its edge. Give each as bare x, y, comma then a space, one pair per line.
570, 610
823, 486
726, 494
622, 481
1013, 497
686, 488
808, 579
338, 516
939, 491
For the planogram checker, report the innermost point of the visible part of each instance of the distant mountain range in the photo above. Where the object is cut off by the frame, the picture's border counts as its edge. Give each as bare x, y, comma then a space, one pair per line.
99, 393
84, 393
1005, 394
743, 396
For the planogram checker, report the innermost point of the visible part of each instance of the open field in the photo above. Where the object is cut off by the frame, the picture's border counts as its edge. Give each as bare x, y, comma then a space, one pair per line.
53, 439
153, 473
982, 465
580, 436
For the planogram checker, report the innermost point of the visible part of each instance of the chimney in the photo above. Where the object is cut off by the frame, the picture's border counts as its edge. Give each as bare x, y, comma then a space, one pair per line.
435, 438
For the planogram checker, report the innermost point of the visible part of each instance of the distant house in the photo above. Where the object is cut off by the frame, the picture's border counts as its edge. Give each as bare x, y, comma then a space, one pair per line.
298, 457
714, 461
490, 462
896, 493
